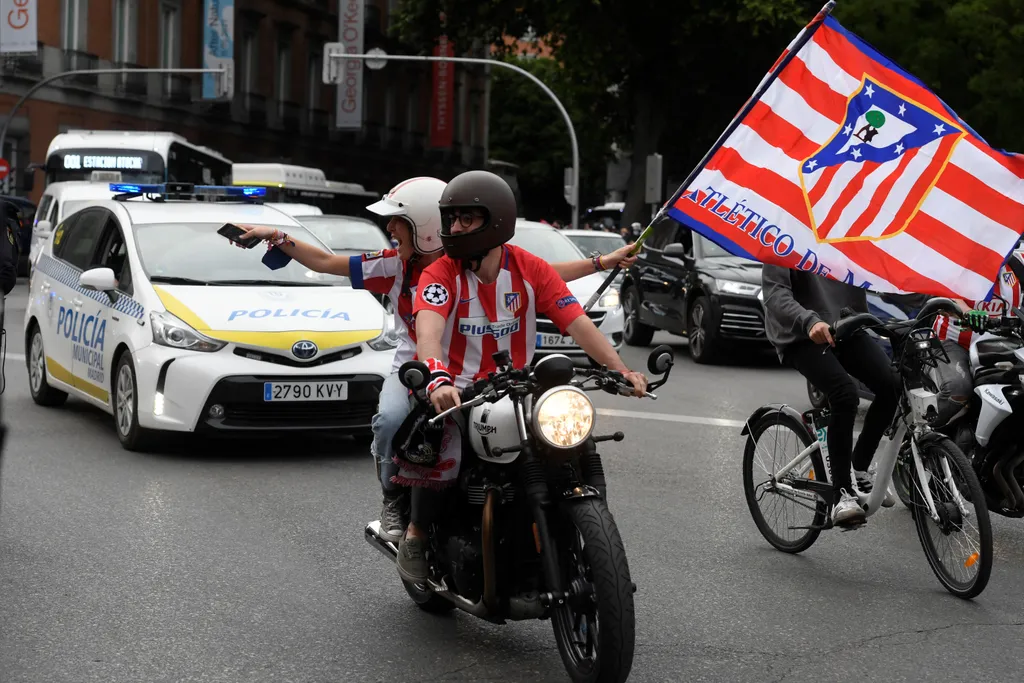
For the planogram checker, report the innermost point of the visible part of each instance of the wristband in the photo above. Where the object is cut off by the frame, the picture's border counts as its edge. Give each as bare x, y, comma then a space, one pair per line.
598, 266
278, 238
439, 375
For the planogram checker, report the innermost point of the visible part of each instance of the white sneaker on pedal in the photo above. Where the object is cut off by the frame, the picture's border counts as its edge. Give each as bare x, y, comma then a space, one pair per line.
847, 510
864, 484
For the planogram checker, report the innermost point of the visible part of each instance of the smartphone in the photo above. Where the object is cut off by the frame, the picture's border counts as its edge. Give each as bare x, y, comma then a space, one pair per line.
233, 233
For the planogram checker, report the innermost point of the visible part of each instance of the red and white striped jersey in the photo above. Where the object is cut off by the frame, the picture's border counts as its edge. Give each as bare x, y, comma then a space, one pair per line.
1007, 286
482, 319
383, 272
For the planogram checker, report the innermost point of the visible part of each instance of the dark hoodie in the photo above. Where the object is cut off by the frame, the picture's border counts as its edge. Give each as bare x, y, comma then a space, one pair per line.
795, 300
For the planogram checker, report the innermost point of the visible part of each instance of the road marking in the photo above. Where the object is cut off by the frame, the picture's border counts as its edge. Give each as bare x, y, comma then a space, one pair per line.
664, 417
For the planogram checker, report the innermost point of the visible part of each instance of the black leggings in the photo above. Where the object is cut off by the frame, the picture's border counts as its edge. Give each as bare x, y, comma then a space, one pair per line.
829, 370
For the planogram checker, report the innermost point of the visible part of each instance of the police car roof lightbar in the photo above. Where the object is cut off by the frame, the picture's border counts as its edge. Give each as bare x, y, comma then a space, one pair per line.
164, 191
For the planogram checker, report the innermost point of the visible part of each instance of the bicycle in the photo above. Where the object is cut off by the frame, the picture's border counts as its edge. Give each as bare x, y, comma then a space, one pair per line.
951, 503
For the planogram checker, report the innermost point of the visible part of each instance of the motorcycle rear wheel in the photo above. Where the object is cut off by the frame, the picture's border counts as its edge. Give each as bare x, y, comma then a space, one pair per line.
591, 550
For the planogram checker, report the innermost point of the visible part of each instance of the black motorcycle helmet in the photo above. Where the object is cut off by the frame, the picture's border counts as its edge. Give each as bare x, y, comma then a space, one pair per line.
488, 193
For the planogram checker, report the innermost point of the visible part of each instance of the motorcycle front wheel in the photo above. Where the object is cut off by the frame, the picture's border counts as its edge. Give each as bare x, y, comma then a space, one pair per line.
595, 632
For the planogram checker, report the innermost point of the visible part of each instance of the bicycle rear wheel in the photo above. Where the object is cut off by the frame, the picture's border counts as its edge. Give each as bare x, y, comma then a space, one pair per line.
959, 545
773, 442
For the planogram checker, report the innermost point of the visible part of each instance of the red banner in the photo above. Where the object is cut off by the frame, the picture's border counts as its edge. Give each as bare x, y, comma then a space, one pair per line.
442, 105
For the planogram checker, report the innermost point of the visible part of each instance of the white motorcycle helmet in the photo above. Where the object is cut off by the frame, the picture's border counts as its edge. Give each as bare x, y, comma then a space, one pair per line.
416, 200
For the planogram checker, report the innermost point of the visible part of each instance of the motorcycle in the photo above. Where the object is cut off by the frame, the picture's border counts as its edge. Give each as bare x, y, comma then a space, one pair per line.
989, 431
526, 531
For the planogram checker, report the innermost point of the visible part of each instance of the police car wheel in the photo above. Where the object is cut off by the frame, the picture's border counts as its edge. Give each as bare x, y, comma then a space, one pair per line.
126, 406
42, 393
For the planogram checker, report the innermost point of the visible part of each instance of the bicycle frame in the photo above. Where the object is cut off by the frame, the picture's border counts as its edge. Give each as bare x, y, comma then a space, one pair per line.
886, 466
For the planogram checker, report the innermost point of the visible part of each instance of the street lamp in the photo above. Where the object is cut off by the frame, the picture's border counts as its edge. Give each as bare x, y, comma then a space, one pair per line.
377, 59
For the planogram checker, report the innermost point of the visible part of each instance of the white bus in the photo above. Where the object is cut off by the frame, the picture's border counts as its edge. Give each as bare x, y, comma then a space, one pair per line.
134, 156
288, 184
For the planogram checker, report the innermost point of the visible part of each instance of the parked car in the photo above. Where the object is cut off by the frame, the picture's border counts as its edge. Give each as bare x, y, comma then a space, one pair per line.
687, 285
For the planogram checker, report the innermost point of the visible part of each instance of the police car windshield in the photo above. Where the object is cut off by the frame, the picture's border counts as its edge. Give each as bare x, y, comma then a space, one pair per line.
347, 233
550, 245
194, 251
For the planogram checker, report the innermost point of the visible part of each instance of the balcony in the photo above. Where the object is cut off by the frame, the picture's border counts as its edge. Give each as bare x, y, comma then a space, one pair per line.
256, 105
177, 89
73, 60
289, 115
135, 84
26, 66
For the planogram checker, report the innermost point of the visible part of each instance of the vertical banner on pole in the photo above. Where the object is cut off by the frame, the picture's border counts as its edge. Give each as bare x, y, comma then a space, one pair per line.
442, 105
349, 108
18, 26
219, 48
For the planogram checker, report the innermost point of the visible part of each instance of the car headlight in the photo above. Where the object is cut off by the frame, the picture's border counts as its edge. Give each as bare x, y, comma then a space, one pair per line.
741, 288
610, 299
563, 417
169, 330
388, 337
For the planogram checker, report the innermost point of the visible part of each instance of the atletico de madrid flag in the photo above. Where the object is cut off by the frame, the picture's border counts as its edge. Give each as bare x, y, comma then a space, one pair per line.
846, 165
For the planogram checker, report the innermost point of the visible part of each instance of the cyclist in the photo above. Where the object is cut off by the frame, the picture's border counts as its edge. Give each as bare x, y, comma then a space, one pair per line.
798, 307
482, 296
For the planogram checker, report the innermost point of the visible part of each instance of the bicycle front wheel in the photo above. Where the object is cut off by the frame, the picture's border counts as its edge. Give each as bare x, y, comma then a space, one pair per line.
958, 544
781, 514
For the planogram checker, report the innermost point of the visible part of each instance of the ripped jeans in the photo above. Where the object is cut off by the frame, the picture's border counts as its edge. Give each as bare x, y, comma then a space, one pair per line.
392, 409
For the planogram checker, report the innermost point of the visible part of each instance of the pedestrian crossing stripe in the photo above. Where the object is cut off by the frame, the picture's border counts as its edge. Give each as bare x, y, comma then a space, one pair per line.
68, 275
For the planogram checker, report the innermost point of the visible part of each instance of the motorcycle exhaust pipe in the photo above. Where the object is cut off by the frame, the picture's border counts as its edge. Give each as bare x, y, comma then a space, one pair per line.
1011, 480
372, 535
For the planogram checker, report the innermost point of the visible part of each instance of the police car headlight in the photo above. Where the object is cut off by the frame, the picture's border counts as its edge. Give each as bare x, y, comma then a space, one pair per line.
610, 299
388, 338
169, 330
563, 417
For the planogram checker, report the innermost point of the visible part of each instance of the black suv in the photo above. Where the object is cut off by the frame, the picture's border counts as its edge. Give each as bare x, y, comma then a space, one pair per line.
685, 284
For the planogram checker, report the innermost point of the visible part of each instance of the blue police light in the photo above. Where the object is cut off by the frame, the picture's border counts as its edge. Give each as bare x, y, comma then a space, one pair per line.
185, 190
136, 189
230, 191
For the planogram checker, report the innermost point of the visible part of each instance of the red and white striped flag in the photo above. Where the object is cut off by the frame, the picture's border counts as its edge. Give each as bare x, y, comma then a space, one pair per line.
848, 166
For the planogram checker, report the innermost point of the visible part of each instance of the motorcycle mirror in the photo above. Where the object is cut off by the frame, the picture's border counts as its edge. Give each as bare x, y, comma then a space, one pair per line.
414, 374
660, 360
553, 370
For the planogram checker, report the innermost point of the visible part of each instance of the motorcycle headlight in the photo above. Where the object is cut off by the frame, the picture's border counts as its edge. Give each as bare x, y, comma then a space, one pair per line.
388, 338
610, 299
563, 417
741, 288
169, 330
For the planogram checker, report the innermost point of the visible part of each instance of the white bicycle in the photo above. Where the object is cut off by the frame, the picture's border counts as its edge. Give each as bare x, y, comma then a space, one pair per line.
947, 502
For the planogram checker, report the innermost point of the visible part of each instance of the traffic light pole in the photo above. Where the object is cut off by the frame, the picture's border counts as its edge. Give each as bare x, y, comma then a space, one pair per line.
80, 72
336, 51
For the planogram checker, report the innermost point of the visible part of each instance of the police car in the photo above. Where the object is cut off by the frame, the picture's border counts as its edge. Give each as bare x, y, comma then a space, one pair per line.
138, 306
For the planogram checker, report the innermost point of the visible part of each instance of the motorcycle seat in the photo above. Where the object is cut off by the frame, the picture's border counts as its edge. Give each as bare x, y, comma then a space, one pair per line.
992, 351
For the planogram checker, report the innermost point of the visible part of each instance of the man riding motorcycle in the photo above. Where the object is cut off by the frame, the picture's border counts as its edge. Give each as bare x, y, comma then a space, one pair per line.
415, 224
481, 297
799, 307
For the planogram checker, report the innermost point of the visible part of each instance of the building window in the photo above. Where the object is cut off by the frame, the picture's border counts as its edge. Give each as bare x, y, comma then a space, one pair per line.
169, 35
125, 35
74, 20
284, 71
249, 62
313, 78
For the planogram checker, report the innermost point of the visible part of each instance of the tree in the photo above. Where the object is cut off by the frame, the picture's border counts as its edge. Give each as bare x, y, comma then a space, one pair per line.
527, 129
684, 64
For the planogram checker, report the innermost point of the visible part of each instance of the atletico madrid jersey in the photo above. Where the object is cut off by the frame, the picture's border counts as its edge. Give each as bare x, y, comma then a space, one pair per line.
1007, 286
383, 272
482, 319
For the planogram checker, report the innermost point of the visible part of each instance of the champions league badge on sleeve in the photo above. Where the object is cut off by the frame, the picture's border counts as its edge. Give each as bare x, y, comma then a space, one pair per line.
435, 294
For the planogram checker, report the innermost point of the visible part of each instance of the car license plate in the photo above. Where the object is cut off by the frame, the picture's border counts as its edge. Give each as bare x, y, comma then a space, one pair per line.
305, 391
548, 340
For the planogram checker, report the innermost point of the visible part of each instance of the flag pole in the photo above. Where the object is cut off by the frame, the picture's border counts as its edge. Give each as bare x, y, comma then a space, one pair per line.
795, 47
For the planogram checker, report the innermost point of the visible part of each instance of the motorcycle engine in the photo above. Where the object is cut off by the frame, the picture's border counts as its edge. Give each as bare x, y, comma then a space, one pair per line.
465, 566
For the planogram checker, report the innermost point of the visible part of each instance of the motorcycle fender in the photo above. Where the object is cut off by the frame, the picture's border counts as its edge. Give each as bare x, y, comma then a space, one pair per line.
994, 409
580, 492
772, 408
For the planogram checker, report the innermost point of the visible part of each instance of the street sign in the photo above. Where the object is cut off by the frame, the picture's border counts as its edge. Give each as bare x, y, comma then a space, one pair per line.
333, 67
376, 64
5, 168
652, 191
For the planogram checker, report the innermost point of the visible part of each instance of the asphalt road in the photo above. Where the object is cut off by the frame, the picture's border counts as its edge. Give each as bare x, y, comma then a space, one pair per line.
196, 565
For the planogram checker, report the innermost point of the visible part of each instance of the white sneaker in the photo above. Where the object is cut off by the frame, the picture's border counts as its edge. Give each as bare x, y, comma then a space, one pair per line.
864, 484
848, 510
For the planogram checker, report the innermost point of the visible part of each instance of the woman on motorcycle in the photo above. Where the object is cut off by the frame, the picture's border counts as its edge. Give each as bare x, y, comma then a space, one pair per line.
799, 307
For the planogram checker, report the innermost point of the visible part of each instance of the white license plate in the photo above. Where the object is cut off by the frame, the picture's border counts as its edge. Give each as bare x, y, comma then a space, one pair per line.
305, 391
548, 340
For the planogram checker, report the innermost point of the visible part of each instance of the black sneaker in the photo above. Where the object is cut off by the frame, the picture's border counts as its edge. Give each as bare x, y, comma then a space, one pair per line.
393, 517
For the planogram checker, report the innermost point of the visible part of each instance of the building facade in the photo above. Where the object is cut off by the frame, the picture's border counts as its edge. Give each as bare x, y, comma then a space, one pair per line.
280, 110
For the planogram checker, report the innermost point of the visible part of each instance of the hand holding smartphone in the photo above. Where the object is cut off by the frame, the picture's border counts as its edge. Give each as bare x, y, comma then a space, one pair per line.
234, 233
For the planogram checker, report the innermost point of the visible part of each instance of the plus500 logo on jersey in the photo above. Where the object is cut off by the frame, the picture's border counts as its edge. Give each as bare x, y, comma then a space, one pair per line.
481, 327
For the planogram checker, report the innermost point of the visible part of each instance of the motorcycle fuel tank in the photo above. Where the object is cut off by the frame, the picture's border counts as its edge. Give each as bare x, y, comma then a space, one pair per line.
493, 425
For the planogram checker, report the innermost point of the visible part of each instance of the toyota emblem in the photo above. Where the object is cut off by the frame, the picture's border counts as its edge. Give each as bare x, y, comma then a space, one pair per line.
304, 350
